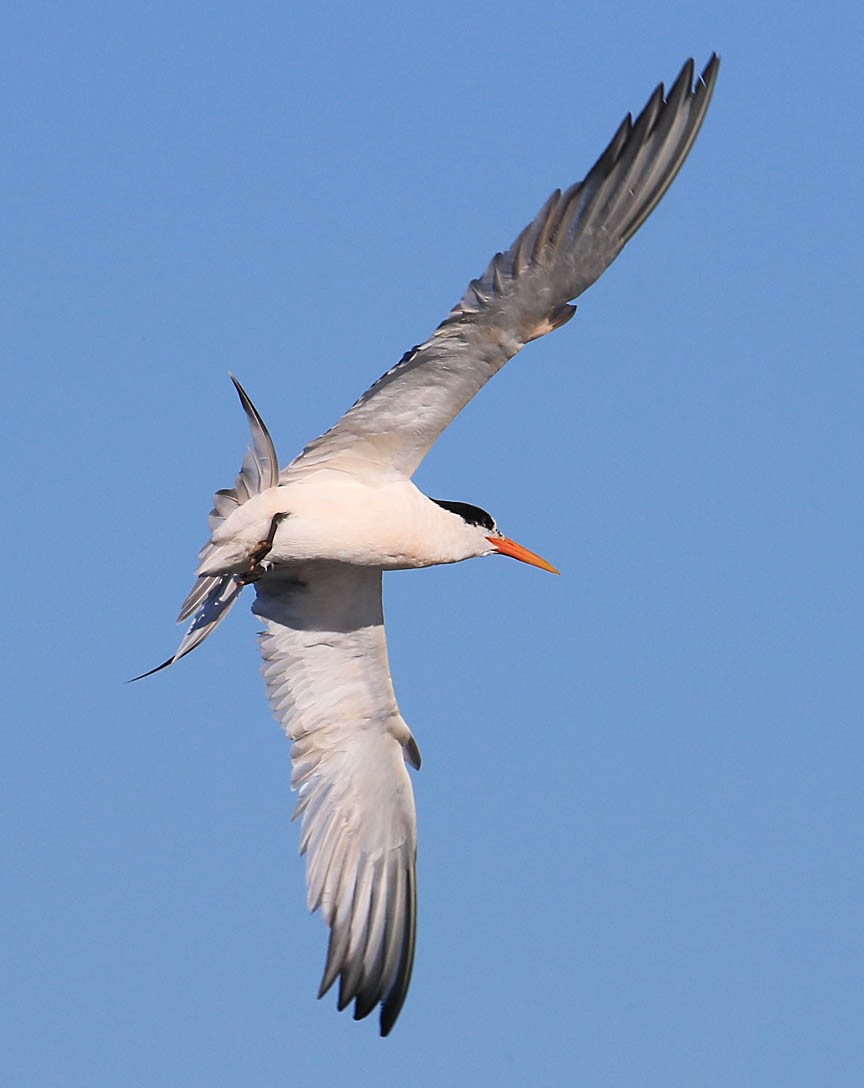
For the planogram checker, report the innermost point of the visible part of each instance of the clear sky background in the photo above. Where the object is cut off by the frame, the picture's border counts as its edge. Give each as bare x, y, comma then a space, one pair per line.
641, 824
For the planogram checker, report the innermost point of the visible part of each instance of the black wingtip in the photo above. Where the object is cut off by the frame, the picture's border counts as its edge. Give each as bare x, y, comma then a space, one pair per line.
150, 672
392, 1005
708, 76
242, 394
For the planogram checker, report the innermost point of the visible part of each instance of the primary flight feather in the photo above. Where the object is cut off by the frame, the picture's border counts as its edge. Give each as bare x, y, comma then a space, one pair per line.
315, 537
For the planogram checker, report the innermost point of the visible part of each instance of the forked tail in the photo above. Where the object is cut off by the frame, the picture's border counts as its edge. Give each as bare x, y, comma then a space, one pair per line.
213, 594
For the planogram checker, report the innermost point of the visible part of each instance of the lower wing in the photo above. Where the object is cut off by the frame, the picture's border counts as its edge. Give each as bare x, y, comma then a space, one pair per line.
328, 681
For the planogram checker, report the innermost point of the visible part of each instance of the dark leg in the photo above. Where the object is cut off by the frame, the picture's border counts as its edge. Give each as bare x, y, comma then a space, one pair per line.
260, 551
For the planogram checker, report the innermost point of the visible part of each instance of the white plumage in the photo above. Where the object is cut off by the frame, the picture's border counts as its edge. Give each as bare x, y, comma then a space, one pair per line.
315, 538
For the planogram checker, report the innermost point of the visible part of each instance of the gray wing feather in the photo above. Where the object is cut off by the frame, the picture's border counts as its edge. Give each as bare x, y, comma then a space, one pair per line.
258, 472
328, 681
525, 292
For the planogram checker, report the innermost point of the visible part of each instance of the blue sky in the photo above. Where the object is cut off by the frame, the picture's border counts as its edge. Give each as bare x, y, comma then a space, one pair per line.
640, 811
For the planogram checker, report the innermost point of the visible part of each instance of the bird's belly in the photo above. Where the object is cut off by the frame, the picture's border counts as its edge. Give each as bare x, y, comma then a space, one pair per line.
301, 540
373, 527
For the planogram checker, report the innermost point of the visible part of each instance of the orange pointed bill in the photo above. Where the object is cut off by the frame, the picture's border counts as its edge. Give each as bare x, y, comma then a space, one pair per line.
509, 547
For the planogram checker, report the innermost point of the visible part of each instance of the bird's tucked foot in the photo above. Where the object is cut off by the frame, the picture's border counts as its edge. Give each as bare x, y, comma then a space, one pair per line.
260, 552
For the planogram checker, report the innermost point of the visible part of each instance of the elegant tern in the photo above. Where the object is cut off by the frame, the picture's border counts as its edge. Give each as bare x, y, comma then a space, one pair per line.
315, 537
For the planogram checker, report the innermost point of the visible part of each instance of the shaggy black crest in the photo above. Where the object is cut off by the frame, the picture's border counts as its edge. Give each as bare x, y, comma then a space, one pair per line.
472, 514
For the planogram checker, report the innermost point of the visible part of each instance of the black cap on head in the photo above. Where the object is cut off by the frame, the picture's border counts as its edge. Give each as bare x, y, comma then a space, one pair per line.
472, 514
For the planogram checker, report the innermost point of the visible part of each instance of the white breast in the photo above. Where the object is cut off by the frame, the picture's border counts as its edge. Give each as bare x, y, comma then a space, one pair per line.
331, 516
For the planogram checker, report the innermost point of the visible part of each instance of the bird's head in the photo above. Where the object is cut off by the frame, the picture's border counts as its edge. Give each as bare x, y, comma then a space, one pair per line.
485, 538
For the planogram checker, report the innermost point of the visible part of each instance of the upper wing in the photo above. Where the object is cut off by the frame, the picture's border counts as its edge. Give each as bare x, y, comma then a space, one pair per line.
328, 681
525, 291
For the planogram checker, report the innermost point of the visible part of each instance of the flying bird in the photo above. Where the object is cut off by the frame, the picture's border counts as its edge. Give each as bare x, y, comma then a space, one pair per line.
314, 537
